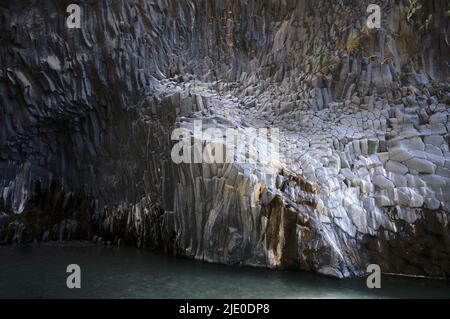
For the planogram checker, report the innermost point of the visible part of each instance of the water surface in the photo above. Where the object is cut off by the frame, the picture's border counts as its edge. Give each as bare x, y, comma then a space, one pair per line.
109, 272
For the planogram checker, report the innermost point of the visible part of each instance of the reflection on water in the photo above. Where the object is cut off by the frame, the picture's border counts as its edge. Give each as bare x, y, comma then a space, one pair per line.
107, 272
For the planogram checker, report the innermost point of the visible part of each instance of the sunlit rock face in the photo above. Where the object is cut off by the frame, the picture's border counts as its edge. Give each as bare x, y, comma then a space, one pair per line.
362, 174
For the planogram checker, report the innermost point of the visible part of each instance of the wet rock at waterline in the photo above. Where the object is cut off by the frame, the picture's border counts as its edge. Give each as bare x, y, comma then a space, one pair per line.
361, 175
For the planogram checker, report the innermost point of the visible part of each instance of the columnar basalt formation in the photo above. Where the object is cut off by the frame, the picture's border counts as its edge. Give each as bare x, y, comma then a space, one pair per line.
363, 169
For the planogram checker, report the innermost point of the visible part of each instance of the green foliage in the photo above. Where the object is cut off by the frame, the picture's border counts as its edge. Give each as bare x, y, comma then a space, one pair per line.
352, 42
296, 15
412, 7
324, 63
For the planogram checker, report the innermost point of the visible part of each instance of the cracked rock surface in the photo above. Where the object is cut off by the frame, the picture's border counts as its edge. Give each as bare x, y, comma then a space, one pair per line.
361, 175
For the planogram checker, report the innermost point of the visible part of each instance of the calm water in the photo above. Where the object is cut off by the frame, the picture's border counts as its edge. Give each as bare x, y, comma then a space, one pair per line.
107, 272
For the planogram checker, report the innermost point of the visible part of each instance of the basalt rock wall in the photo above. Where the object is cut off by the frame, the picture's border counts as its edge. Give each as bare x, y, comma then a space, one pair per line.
87, 116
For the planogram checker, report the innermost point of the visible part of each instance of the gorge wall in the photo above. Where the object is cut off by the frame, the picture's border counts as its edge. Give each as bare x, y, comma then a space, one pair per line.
363, 174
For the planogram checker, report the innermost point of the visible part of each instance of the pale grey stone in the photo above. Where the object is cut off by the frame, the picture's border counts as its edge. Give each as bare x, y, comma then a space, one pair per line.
398, 180
434, 181
396, 167
357, 215
436, 140
438, 129
382, 182
421, 165
400, 154
416, 199
433, 150
438, 118
400, 196
364, 147
407, 215
442, 171
432, 203
405, 196
348, 174
384, 157
383, 200
417, 143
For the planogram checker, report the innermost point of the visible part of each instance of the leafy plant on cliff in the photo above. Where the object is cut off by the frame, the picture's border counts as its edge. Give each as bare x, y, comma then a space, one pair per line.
412, 7
324, 63
296, 15
447, 11
352, 42
365, 31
